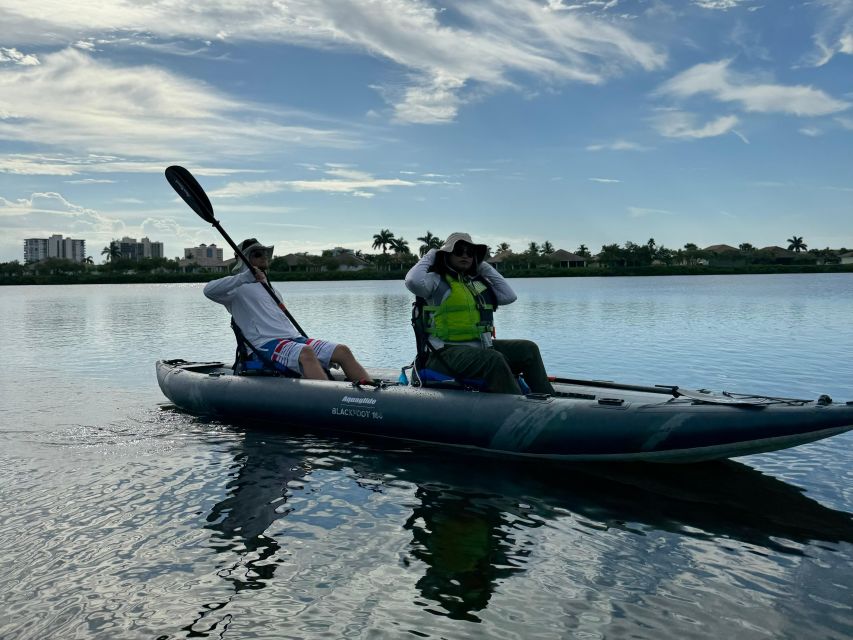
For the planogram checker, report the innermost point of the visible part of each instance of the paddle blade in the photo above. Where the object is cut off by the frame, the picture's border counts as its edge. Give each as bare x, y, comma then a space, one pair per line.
185, 184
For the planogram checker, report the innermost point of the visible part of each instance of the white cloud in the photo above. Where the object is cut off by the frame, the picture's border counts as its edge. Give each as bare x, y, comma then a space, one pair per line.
249, 189
716, 79
812, 132
847, 123
677, 124
834, 32
720, 5
46, 213
342, 180
73, 101
742, 137
70, 165
16, 57
640, 212
618, 145
604, 180
500, 39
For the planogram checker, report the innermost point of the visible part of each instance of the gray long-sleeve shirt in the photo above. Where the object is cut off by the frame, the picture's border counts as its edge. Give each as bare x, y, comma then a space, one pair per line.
253, 309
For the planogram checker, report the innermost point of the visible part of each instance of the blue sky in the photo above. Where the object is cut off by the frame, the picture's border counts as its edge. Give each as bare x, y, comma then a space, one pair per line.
313, 124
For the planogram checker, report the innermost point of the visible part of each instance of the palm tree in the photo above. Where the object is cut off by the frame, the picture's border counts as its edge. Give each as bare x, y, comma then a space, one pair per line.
429, 242
746, 247
112, 251
399, 245
503, 246
533, 249
547, 248
796, 244
583, 251
383, 239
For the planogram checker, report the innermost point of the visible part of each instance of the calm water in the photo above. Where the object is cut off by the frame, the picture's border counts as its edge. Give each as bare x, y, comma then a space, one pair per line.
124, 519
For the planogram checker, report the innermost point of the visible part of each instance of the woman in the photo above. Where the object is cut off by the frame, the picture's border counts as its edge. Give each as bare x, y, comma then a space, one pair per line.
462, 291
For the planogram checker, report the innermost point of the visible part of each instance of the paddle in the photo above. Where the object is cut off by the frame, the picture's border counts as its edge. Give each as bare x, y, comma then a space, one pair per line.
185, 184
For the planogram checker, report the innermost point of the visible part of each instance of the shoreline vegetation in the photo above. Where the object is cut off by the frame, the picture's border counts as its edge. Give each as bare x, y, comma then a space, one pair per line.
140, 277
536, 261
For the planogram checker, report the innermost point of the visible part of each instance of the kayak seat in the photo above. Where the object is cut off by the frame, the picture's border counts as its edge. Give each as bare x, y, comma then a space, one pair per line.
248, 361
431, 377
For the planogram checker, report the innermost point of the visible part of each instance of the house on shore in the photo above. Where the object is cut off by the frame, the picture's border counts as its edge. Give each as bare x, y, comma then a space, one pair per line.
562, 259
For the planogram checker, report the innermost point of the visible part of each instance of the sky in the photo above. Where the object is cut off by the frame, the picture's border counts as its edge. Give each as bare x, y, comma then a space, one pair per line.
313, 124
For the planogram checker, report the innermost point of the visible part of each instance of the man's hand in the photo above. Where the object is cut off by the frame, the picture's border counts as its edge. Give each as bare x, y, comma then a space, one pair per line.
260, 276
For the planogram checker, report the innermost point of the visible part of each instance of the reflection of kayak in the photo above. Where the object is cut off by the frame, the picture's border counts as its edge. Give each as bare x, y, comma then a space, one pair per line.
585, 421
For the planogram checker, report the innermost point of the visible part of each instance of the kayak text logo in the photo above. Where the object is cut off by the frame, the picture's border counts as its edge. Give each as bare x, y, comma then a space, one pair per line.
357, 411
351, 400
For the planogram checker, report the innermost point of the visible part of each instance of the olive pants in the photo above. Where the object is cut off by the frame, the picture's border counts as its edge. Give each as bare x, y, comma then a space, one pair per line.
497, 367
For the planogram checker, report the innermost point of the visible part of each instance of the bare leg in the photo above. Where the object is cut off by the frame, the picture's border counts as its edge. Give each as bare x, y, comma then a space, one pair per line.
352, 369
311, 367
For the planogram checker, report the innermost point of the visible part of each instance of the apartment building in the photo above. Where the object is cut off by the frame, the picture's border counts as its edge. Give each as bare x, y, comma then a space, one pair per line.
37, 249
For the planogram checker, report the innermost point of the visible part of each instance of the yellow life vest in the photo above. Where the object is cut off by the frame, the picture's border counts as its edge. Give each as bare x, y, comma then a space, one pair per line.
464, 315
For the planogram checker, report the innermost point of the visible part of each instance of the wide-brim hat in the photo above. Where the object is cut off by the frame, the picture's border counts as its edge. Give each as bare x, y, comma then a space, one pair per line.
480, 250
247, 246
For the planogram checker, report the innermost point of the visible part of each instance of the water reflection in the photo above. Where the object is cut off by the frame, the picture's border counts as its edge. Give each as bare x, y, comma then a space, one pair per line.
471, 515
466, 544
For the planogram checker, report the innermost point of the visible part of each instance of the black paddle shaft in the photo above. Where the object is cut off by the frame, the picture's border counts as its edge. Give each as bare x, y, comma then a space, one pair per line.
186, 186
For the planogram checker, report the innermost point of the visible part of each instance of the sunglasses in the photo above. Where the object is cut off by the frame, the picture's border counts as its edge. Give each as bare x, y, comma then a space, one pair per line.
464, 250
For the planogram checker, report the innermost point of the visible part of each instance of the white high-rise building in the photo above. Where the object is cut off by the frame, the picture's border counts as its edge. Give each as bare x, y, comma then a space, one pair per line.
37, 249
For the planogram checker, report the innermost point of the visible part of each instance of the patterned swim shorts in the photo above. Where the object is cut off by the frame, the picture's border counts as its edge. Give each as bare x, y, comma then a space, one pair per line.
285, 353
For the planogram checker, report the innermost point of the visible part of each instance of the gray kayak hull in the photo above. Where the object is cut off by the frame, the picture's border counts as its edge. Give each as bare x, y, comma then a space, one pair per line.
584, 423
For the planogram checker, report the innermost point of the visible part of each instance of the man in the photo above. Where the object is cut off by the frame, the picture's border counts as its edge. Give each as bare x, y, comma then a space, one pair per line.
461, 291
268, 329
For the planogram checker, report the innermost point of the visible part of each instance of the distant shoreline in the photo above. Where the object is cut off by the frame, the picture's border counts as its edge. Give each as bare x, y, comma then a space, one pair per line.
370, 274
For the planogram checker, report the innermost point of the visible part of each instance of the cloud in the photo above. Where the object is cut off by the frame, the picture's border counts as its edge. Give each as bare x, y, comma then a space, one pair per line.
720, 5
717, 80
73, 101
497, 44
342, 180
618, 145
678, 124
16, 57
742, 137
46, 213
42, 202
812, 132
834, 33
249, 189
640, 212
604, 180
847, 123
69, 165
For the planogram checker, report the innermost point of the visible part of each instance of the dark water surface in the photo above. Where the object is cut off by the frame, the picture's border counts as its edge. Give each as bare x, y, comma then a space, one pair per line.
122, 518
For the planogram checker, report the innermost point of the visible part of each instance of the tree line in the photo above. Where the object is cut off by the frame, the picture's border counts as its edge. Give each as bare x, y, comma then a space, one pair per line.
396, 253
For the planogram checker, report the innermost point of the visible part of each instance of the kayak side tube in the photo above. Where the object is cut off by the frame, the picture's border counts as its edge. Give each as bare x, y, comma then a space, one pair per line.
583, 427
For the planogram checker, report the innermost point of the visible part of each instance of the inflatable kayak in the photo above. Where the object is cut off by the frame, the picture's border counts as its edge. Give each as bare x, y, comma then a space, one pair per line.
584, 421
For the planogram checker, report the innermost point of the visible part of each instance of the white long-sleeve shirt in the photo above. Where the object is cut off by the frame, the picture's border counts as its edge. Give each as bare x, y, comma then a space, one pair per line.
253, 309
425, 283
